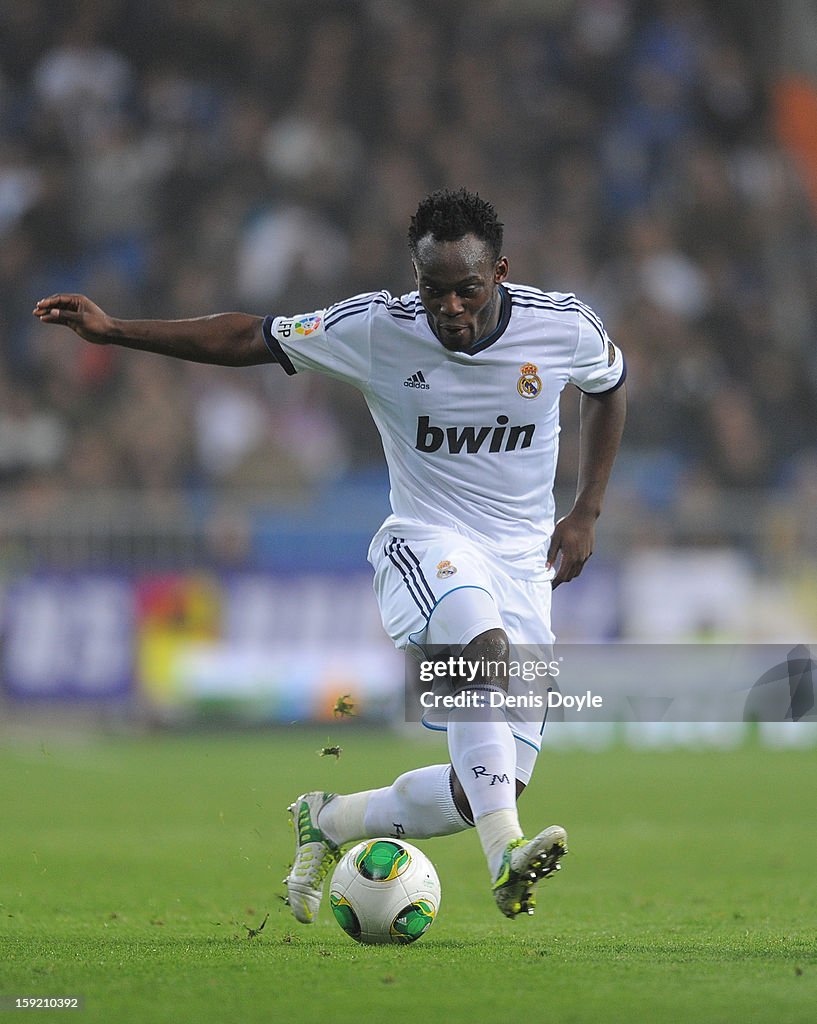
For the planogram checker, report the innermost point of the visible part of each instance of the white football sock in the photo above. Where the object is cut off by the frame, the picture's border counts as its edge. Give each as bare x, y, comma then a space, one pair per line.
483, 753
496, 830
417, 805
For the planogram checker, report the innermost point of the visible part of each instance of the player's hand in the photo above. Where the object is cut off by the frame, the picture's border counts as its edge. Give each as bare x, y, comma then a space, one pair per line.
572, 543
77, 312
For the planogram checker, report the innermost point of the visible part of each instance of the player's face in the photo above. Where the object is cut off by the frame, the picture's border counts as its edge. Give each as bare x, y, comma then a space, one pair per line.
458, 282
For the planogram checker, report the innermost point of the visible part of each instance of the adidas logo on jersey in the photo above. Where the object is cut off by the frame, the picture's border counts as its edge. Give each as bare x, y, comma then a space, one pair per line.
416, 380
470, 440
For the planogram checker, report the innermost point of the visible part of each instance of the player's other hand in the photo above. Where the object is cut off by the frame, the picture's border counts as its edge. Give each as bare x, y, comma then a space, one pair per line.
77, 312
572, 543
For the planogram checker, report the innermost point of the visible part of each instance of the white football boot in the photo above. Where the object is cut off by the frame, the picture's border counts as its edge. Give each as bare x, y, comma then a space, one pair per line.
315, 856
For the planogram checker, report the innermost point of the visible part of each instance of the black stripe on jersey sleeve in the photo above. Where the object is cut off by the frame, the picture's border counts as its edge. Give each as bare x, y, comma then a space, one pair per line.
403, 316
594, 322
274, 346
397, 309
564, 307
336, 319
615, 387
525, 295
411, 303
351, 307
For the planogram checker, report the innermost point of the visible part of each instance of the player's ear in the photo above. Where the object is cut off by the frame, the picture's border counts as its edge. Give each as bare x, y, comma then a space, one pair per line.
416, 272
501, 269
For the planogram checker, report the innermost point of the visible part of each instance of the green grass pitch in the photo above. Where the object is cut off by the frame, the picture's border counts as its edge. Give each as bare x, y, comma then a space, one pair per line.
132, 871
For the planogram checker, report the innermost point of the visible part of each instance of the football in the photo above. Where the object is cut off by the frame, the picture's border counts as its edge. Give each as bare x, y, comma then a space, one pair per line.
385, 891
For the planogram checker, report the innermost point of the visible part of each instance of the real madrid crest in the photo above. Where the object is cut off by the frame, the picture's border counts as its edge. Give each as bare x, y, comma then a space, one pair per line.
445, 569
529, 384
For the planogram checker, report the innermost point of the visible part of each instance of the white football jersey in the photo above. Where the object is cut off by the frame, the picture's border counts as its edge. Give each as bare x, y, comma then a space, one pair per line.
471, 438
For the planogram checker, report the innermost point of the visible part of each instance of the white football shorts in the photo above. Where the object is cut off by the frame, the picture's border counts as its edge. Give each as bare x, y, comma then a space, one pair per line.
442, 590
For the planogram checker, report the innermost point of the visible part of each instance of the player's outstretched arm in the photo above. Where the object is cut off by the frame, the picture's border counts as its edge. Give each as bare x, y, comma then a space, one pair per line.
601, 426
228, 339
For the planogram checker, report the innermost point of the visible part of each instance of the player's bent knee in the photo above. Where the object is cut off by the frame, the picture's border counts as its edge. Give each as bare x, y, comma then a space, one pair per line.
493, 643
490, 652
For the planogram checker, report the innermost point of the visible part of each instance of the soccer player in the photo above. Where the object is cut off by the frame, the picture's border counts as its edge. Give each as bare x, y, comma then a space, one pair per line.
462, 377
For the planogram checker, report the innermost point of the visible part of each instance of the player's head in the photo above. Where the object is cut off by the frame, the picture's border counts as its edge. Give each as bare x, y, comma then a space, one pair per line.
455, 240
448, 215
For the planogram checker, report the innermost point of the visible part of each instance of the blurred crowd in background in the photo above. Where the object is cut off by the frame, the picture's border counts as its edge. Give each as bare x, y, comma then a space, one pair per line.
180, 157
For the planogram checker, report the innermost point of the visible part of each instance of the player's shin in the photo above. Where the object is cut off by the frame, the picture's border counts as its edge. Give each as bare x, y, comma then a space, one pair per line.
417, 805
483, 754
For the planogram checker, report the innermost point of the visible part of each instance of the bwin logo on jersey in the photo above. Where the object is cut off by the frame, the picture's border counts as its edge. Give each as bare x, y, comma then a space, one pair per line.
470, 440
416, 380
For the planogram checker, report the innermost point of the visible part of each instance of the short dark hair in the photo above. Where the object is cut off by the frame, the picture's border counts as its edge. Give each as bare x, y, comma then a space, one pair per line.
447, 215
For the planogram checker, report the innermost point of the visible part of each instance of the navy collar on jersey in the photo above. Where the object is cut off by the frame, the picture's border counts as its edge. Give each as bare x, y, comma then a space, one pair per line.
502, 323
